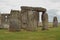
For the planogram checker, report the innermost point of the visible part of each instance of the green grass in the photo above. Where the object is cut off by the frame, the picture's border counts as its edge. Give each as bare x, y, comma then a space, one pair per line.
51, 34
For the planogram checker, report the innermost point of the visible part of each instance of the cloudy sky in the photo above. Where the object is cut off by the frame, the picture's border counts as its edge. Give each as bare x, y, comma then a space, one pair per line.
52, 6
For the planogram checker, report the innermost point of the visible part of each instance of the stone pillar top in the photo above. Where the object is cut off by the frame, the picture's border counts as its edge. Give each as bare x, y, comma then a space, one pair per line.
14, 10
5, 14
39, 9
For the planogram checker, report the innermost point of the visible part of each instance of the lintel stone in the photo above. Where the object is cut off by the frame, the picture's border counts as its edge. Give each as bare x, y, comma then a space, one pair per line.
39, 9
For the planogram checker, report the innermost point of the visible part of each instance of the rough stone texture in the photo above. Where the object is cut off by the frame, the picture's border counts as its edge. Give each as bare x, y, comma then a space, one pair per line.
5, 20
45, 21
39, 9
15, 23
32, 21
0, 22
24, 19
29, 20
36, 18
55, 22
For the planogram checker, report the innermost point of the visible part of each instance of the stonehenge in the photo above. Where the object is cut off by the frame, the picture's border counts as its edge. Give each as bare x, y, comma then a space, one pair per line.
26, 19
31, 17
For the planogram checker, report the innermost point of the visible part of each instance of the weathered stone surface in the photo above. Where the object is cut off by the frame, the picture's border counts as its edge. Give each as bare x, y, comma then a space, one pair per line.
36, 19
0, 22
5, 17
15, 23
32, 21
5, 20
24, 19
55, 22
38, 9
45, 21
29, 20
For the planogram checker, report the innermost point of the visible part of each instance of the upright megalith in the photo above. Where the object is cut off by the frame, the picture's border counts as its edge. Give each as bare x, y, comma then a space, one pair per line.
0, 21
24, 19
45, 21
15, 23
55, 22
32, 21
29, 18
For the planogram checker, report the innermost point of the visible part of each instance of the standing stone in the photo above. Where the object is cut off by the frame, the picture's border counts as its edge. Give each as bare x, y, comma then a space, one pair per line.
24, 19
29, 20
45, 21
36, 19
32, 21
0, 22
15, 23
55, 22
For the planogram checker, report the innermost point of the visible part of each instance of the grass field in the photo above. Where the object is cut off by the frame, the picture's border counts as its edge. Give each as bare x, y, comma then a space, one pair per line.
51, 34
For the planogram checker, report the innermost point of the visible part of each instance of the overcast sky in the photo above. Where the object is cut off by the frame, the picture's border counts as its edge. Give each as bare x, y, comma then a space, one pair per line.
52, 6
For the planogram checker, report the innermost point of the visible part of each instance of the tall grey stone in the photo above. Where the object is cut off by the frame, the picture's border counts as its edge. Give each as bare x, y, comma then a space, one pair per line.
32, 21
15, 23
45, 21
55, 22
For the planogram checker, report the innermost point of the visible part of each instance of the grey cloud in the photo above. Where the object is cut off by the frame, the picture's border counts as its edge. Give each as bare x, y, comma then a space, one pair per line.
7, 5
52, 13
54, 0
10, 2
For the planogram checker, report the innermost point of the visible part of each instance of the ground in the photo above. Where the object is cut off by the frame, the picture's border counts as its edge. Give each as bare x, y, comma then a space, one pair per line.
51, 34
